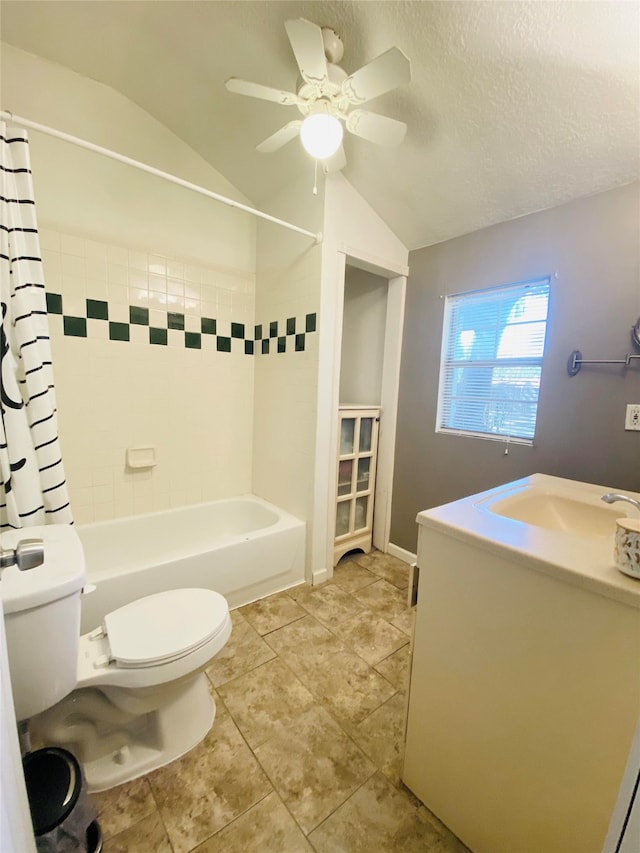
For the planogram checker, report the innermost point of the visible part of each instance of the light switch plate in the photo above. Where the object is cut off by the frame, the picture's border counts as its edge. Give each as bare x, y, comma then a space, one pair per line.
632, 419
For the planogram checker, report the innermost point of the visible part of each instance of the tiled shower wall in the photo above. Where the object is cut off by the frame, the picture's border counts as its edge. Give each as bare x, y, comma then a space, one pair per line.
149, 351
285, 413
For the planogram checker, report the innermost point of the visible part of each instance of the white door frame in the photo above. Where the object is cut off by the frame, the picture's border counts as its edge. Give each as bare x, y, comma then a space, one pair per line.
329, 366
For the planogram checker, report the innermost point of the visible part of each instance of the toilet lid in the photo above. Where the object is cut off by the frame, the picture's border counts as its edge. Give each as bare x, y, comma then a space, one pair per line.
165, 626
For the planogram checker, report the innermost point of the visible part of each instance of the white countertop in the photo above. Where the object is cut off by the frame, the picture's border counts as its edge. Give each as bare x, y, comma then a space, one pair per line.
584, 560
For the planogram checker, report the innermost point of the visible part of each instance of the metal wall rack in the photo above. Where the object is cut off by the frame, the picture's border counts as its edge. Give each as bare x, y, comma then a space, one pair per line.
576, 360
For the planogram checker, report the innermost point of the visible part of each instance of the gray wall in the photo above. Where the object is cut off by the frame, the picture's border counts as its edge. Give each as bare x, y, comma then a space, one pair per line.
593, 246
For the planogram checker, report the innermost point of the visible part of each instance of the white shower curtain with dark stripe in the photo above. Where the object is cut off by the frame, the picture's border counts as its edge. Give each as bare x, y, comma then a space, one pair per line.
32, 482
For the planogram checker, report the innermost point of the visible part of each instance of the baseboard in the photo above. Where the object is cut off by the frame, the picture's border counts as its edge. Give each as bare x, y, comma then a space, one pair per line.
401, 553
319, 576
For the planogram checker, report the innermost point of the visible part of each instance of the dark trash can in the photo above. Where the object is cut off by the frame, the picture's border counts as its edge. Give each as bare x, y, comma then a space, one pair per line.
63, 817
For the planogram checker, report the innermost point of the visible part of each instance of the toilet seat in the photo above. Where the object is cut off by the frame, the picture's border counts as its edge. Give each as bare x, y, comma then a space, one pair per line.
154, 640
163, 627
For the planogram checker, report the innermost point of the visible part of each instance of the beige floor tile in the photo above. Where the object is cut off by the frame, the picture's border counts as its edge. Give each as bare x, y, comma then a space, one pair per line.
271, 613
146, 836
266, 828
329, 604
305, 636
324, 724
314, 766
208, 787
349, 575
385, 566
121, 807
342, 682
244, 651
404, 621
381, 736
264, 700
370, 636
380, 818
383, 598
395, 668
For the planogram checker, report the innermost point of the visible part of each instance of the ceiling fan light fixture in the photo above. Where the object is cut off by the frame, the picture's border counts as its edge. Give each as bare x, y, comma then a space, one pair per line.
321, 135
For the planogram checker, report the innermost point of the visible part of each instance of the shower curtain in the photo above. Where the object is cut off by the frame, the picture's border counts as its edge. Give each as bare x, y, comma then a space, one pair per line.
32, 482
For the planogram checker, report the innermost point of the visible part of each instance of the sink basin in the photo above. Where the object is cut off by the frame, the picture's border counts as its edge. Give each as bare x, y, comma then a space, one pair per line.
559, 512
548, 524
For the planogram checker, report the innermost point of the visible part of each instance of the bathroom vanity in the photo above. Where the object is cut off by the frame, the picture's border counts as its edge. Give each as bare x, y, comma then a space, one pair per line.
525, 681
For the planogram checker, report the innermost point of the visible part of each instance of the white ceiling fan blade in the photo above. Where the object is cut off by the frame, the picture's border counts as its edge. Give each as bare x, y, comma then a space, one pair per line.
257, 90
335, 163
308, 48
376, 128
385, 72
280, 137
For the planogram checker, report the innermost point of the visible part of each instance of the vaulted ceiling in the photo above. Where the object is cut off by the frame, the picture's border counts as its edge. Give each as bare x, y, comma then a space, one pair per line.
513, 106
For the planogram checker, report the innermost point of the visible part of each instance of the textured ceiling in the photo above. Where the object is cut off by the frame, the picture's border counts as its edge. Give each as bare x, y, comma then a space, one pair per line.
513, 106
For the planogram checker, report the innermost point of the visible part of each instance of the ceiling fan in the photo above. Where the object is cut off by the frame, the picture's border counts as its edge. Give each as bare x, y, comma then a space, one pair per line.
326, 95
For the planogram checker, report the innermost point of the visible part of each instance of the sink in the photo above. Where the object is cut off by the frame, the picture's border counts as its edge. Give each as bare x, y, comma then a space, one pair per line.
552, 525
559, 512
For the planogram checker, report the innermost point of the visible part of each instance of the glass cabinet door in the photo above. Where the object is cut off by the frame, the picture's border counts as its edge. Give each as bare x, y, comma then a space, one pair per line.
356, 472
347, 436
345, 473
366, 427
343, 513
360, 520
364, 467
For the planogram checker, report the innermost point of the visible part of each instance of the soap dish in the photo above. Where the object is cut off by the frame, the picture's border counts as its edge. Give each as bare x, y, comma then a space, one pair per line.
141, 457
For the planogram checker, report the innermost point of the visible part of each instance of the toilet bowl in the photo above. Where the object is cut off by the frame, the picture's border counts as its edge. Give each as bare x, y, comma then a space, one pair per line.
125, 698
141, 698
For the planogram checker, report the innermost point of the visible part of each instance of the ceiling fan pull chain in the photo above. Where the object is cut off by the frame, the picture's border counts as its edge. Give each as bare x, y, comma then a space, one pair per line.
315, 177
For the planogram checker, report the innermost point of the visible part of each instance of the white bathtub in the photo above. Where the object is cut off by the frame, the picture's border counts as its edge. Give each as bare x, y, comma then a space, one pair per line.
244, 548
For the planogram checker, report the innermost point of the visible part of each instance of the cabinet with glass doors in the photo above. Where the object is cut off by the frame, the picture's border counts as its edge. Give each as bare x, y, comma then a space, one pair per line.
358, 445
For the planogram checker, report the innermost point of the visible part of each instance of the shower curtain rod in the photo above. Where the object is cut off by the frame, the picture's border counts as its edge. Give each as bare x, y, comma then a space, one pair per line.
137, 164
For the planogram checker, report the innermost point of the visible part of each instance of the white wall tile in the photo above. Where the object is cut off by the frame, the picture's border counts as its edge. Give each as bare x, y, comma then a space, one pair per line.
72, 245
117, 255
49, 239
138, 260
194, 405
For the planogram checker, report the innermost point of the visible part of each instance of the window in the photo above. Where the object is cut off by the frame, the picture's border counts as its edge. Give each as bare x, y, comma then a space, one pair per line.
492, 349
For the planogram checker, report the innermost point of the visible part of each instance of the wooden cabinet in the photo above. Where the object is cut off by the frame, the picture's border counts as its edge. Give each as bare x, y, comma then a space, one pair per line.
358, 446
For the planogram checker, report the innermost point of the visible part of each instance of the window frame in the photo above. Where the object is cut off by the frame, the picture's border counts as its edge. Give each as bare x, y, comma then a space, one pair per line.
446, 362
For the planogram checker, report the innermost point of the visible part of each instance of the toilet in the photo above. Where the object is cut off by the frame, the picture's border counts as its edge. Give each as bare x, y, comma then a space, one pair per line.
125, 698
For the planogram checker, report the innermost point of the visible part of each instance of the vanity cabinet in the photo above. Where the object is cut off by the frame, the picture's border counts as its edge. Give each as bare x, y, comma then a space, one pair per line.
525, 685
355, 483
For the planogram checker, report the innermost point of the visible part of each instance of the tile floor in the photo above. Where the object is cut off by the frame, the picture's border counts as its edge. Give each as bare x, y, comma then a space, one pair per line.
305, 752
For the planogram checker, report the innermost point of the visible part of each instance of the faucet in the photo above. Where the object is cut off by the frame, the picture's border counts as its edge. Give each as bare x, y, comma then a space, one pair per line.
611, 498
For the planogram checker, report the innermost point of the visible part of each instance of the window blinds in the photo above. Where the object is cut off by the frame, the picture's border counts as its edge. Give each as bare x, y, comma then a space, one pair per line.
492, 350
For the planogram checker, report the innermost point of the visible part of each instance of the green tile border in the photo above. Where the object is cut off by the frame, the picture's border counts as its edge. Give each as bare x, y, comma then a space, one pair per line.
75, 326
54, 303
119, 331
175, 320
138, 316
158, 336
97, 309
283, 333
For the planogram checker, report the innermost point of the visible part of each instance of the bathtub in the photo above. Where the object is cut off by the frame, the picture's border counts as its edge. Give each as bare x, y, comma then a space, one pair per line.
244, 548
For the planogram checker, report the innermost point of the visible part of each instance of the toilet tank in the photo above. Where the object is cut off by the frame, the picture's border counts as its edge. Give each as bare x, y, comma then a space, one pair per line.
42, 618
